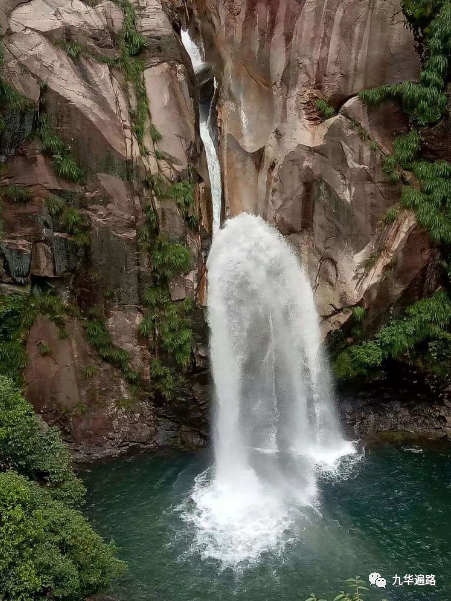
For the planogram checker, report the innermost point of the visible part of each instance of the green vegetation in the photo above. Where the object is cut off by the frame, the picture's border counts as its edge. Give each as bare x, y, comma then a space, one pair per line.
167, 324
432, 200
390, 216
131, 44
73, 49
15, 321
421, 336
47, 548
372, 259
43, 348
133, 40
69, 219
172, 321
100, 339
90, 371
324, 108
425, 101
358, 314
55, 205
357, 585
181, 192
17, 314
15, 194
155, 134
62, 161
36, 452
10, 99
168, 259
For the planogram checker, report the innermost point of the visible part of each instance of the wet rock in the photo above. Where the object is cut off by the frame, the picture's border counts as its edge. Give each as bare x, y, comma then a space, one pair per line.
205, 83
17, 255
42, 261
320, 182
91, 105
403, 406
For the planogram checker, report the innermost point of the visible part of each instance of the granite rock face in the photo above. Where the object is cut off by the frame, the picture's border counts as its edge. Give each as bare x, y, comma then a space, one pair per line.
65, 57
320, 182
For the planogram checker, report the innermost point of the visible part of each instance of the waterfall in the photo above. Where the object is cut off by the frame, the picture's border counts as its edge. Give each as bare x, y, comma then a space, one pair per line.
214, 169
275, 421
272, 381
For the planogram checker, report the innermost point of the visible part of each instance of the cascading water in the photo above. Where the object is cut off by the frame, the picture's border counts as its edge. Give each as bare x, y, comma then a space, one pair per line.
214, 169
275, 421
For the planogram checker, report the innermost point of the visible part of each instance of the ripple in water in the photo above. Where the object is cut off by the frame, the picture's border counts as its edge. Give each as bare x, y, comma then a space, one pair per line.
236, 524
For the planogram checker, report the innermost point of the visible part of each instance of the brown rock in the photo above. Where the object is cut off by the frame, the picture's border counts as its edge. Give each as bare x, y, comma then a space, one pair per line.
42, 261
90, 106
321, 183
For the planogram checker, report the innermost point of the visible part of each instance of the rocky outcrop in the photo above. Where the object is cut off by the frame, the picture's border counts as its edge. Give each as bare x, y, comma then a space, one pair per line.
319, 181
401, 407
68, 60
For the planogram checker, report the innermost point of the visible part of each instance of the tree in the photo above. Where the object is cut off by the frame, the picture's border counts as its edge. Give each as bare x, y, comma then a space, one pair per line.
47, 548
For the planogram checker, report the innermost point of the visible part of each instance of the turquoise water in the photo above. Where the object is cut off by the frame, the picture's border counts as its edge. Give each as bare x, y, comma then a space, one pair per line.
391, 514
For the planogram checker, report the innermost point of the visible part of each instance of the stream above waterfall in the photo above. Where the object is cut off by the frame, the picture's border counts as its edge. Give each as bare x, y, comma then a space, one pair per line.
386, 514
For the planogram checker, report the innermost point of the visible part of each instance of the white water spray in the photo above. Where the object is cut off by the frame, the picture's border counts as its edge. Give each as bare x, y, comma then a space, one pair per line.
275, 419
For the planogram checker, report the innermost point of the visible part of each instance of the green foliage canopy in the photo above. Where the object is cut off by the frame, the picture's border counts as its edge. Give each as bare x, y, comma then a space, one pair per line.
428, 320
47, 548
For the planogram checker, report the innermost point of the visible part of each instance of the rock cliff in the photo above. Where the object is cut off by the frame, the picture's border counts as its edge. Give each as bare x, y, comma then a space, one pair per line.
298, 147
105, 201
102, 204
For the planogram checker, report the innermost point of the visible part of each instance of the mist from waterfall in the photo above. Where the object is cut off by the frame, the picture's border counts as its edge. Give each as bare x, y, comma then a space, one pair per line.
275, 422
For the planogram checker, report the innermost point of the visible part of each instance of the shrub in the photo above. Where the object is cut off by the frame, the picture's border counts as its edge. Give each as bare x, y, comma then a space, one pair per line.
169, 258
358, 313
73, 49
66, 167
100, 338
32, 449
390, 216
424, 322
62, 162
155, 134
325, 109
15, 194
15, 320
48, 550
55, 205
